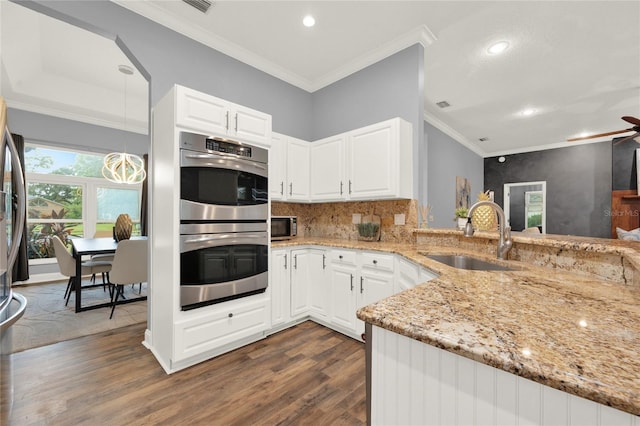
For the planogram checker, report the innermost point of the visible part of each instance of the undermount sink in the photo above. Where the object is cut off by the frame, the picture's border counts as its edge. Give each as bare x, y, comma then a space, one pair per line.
467, 262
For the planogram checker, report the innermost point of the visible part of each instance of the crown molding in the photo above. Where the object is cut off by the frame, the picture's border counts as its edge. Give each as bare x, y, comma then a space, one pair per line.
149, 10
435, 122
421, 35
554, 145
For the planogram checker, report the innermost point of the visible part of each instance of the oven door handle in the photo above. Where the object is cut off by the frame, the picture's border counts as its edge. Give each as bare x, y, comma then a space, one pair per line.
221, 161
195, 242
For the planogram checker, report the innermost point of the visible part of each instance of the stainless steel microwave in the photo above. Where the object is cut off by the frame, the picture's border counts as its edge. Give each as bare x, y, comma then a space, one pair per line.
283, 227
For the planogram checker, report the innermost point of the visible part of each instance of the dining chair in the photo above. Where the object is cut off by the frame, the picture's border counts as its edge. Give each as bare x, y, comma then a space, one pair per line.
67, 265
129, 267
101, 257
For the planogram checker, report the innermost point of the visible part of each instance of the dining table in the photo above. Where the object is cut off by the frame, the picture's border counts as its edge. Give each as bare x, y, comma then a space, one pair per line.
88, 247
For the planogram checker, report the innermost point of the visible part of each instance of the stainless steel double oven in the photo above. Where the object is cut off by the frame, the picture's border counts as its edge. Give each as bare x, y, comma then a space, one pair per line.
223, 220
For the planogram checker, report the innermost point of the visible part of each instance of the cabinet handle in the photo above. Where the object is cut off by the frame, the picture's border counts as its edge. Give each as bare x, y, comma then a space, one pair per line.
324, 262
227, 119
282, 188
236, 123
295, 261
375, 262
340, 257
361, 285
285, 262
349, 186
291, 188
340, 187
230, 315
351, 282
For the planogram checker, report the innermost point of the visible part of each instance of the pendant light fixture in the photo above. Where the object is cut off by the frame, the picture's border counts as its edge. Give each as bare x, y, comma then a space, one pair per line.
121, 167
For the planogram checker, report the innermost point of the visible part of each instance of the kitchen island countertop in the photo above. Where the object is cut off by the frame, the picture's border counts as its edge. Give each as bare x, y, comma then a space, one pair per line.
569, 331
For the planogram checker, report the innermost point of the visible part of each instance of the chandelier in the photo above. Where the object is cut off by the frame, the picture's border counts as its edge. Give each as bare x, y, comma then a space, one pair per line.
121, 167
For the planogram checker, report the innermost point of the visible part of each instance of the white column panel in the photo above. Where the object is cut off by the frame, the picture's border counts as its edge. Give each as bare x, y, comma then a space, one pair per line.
582, 412
529, 402
613, 417
432, 385
466, 384
506, 398
485, 395
555, 406
448, 390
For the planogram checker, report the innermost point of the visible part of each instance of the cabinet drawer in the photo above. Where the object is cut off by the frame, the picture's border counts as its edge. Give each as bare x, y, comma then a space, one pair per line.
343, 257
377, 261
218, 328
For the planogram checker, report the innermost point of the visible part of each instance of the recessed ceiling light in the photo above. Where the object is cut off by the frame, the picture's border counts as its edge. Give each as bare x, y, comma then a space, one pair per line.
308, 21
497, 48
528, 112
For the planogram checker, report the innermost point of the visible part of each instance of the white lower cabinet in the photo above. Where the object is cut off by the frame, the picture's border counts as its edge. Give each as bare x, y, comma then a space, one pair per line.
280, 287
330, 284
225, 324
319, 285
299, 282
344, 273
375, 281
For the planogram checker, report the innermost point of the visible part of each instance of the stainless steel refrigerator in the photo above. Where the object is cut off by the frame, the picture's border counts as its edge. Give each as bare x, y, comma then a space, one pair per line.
12, 304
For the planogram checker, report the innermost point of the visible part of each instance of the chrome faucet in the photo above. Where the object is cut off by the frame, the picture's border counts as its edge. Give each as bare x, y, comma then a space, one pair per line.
505, 243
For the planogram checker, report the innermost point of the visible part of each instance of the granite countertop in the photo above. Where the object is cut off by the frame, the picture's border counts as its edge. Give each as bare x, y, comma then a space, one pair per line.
571, 332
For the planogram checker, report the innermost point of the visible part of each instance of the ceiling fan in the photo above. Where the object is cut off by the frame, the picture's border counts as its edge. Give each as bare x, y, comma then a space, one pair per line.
628, 119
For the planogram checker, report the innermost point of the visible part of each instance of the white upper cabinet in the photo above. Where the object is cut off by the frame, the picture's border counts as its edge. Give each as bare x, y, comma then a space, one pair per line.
288, 169
216, 117
371, 163
328, 178
297, 188
380, 161
277, 167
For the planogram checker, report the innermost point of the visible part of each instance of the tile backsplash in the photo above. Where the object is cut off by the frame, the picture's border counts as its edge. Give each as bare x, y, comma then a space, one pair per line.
334, 220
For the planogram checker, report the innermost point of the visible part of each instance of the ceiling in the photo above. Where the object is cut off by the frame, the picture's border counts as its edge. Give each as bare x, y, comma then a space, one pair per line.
575, 63
81, 82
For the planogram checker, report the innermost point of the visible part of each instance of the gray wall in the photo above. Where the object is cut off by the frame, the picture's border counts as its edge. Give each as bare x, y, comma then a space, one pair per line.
73, 134
624, 165
578, 185
390, 88
446, 159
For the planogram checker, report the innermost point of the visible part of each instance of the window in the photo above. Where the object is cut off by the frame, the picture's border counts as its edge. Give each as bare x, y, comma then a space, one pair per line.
68, 197
533, 208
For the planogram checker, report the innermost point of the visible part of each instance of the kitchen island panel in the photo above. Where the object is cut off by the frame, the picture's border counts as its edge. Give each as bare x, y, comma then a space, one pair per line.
459, 391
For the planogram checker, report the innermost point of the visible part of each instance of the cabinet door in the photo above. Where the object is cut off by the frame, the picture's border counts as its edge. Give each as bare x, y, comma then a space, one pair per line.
200, 112
374, 286
277, 167
250, 125
373, 162
319, 285
297, 188
343, 296
327, 169
299, 282
279, 273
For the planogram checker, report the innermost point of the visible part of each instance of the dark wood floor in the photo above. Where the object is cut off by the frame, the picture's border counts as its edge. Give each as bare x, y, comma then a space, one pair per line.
307, 374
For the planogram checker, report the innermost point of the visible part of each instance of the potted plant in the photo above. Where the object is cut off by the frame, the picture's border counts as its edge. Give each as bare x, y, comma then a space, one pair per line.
461, 216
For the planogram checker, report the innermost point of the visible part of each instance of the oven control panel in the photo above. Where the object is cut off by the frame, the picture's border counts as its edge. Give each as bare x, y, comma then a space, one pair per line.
227, 147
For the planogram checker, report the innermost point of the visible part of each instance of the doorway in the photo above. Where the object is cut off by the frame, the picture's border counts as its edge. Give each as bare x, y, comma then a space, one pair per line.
525, 205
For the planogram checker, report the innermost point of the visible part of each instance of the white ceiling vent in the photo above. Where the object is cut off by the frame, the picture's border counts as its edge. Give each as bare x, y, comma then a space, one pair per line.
201, 5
